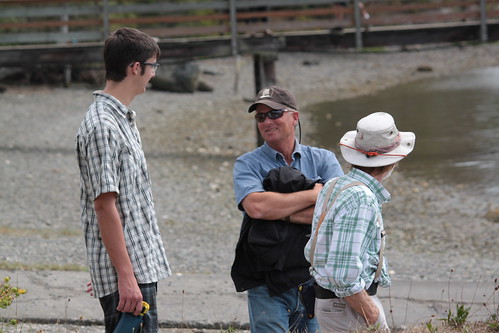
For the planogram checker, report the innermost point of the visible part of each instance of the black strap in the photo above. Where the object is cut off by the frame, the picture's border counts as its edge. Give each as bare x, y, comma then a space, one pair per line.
323, 293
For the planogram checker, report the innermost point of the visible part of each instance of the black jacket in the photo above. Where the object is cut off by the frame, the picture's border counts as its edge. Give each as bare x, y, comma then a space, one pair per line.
271, 252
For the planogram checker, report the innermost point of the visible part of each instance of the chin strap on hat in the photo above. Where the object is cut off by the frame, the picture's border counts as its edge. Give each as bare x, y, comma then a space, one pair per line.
371, 153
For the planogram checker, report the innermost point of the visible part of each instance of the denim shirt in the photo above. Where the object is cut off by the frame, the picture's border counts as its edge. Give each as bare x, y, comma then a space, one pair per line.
251, 168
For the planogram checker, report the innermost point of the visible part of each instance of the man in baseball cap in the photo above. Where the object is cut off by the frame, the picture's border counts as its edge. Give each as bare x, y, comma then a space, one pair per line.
273, 300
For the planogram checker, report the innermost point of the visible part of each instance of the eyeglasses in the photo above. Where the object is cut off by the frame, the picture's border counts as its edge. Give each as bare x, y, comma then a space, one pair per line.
274, 114
154, 66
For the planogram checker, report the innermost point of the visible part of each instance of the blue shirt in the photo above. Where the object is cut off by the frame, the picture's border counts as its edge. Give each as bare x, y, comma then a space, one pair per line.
251, 168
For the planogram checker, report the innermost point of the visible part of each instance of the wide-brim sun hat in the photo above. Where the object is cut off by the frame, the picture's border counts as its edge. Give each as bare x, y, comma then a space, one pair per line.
376, 142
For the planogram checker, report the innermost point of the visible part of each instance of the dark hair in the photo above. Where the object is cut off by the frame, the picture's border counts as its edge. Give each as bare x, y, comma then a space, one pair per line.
125, 46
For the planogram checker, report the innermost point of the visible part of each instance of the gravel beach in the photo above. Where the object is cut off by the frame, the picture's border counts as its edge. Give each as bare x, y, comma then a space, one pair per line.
191, 142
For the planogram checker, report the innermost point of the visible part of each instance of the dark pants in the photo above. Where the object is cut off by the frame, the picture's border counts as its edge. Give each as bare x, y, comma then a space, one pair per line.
110, 302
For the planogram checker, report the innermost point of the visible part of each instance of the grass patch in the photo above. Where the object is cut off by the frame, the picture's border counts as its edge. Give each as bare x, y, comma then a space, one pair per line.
475, 327
12, 266
44, 233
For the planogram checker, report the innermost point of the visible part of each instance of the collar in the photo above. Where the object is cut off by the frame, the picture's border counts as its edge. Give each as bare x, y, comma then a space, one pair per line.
375, 186
277, 155
119, 107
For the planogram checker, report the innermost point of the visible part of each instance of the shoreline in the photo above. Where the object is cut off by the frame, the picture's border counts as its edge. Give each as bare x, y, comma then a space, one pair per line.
328, 77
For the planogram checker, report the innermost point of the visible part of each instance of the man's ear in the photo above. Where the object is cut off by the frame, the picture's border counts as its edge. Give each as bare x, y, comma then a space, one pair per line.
134, 68
296, 117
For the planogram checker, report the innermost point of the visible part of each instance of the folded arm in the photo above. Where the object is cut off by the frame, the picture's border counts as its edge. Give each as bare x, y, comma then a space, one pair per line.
277, 206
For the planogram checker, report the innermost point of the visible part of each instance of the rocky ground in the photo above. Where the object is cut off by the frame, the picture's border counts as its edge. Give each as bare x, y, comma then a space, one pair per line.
191, 141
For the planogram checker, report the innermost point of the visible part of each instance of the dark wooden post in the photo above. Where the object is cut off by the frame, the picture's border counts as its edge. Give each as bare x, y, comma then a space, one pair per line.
264, 67
483, 21
358, 25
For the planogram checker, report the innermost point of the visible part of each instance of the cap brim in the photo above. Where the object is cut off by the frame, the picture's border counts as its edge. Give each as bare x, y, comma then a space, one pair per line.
269, 103
352, 156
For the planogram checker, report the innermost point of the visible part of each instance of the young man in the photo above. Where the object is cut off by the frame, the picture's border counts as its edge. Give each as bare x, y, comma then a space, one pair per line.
272, 293
346, 248
125, 251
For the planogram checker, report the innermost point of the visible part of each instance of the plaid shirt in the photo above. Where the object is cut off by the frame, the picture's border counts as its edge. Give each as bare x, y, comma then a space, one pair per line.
111, 159
349, 239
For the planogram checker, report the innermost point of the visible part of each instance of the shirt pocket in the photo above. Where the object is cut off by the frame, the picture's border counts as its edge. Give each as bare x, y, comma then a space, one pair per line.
134, 178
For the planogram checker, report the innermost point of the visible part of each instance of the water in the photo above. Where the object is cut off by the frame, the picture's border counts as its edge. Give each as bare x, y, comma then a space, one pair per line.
455, 118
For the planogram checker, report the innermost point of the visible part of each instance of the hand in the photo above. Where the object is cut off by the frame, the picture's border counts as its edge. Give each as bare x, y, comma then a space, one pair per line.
130, 296
317, 188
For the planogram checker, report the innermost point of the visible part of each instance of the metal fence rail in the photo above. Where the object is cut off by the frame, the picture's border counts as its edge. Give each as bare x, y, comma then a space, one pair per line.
24, 22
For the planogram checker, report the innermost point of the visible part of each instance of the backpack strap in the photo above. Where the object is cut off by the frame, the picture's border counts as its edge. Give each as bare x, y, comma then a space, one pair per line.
325, 209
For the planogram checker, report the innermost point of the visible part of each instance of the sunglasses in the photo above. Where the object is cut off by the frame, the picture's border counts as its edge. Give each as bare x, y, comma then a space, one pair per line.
274, 114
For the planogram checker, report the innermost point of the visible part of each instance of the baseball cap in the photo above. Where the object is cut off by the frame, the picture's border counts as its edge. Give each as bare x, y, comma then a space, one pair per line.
274, 97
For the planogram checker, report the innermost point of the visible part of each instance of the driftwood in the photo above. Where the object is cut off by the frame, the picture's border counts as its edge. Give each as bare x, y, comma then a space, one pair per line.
179, 78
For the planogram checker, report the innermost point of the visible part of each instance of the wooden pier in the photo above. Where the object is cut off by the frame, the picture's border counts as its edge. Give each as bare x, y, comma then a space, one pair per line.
70, 33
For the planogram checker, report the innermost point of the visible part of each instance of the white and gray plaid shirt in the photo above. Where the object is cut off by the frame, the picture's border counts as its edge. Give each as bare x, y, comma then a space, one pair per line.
111, 159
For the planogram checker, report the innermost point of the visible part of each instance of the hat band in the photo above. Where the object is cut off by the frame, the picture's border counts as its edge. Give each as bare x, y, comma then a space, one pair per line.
372, 153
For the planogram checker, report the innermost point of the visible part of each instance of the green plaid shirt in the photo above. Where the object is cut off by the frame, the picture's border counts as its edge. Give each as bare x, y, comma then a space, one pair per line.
349, 239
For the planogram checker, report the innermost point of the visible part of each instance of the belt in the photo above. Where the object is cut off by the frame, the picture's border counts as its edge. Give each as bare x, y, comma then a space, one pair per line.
323, 293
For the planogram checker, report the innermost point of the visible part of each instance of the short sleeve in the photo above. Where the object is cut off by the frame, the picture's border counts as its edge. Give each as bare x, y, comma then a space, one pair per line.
247, 180
103, 161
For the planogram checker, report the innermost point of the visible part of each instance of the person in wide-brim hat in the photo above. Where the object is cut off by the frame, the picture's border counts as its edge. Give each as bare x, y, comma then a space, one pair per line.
346, 249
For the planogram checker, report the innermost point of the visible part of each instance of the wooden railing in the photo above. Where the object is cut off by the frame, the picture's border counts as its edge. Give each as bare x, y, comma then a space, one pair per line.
76, 21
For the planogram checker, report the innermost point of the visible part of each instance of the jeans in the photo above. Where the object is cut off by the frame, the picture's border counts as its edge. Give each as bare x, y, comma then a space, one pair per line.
278, 314
335, 315
109, 303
